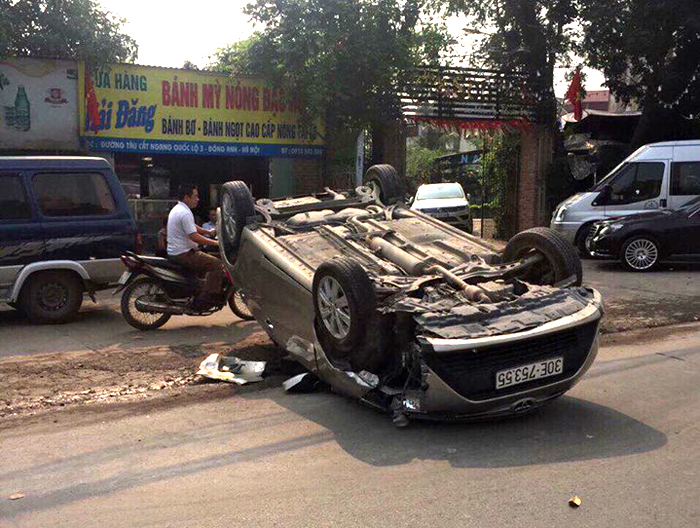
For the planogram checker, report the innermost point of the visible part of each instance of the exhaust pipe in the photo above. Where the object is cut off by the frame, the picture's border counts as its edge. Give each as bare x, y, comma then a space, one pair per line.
160, 308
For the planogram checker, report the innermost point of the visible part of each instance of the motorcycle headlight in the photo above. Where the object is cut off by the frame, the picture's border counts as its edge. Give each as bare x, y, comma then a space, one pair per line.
560, 214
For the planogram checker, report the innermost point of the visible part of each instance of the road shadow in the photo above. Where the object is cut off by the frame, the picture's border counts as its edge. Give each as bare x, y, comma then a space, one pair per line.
569, 429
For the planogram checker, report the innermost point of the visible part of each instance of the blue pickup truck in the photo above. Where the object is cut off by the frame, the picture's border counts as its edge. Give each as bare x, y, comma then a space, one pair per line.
64, 224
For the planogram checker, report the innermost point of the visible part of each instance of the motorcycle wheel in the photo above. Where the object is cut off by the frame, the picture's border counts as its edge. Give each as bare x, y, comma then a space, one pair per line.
236, 302
135, 317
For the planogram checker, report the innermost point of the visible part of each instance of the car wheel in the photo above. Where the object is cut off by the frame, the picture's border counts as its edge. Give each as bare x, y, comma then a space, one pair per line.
236, 302
52, 297
237, 206
560, 258
386, 183
581, 241
344, 301
135, 317
640, 254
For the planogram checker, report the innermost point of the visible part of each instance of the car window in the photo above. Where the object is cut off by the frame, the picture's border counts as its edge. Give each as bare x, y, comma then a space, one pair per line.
685, 179
73, 194
13, 200
637, 182
433, 192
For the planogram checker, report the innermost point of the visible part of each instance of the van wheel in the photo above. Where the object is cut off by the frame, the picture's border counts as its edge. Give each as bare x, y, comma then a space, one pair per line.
560, 258
581, 242
52, 297
237, 206
386, 183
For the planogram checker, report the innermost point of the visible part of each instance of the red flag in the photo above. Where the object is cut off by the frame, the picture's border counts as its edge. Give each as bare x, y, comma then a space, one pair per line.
91, 104
573, 95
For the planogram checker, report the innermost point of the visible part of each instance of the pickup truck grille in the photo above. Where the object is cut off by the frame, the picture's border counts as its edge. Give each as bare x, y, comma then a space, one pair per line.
473, 374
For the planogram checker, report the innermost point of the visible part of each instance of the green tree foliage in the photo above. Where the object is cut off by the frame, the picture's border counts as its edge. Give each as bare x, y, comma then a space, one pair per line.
500, 166
342, 59
70, 29
649, 51
420, 164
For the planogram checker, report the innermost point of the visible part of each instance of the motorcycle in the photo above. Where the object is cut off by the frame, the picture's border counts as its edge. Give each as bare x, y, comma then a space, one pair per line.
154, 289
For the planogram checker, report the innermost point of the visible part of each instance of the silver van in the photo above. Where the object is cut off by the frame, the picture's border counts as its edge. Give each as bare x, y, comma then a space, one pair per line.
656, 176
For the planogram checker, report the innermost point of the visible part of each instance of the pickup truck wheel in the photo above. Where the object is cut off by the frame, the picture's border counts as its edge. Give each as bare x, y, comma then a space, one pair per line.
384, 180
52, 297
344, 301
237, 206
560, 262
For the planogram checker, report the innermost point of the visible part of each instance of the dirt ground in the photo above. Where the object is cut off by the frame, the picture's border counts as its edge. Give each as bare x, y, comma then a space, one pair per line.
39, 383
98, 360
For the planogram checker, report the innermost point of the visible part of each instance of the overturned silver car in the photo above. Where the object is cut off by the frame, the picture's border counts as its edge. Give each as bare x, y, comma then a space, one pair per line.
406, 313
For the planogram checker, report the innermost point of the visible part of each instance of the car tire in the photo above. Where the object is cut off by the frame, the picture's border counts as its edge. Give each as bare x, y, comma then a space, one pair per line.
236, 302
131, 313
52, 297
640, 253
344, 301
581, 242
385, 179
237, 205
561, 259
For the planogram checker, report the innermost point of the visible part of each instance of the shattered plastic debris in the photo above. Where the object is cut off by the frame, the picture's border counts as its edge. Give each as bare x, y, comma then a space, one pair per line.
575, 501
364, 378
231, 369
16, 496
302, 383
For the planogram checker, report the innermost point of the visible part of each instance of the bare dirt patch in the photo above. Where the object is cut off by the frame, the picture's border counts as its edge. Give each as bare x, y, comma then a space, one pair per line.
34, 384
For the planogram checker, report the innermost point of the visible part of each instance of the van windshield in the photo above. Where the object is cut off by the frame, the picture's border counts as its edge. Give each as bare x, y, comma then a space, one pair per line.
634, 182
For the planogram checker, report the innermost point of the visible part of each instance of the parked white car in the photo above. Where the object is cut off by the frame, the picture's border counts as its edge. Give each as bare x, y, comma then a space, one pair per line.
658, 176
446, 201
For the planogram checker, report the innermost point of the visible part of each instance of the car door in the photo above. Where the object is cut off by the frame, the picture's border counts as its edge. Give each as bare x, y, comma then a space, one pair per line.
82, 221
638, 187
21, 236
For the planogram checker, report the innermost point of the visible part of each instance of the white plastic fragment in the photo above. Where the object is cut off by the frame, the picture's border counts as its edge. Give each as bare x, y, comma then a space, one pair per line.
231, 369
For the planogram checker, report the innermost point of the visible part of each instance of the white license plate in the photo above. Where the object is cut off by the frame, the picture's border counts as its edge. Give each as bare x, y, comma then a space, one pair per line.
533, 371
125, 277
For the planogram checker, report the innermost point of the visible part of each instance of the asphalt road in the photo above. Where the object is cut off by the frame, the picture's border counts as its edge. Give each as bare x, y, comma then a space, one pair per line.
633, 300
624, 440
101, 327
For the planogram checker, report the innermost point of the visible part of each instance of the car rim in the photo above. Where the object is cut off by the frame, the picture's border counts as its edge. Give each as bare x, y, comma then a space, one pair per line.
229, 218
144, 290
334, 307
641, 254
53, 296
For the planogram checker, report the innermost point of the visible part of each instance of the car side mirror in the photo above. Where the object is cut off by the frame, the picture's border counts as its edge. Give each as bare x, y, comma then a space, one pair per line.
469, 197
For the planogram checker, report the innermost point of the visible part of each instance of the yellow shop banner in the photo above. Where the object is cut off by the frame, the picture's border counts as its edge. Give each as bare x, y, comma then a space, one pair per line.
129, 108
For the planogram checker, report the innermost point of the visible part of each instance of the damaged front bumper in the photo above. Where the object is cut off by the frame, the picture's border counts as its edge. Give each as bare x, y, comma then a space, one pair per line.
459, 375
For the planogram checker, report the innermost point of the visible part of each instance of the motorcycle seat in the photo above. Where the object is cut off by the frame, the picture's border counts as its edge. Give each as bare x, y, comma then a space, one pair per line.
157, 262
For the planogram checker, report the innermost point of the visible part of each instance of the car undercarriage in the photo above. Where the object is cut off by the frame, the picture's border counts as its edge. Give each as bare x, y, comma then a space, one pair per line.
407, 313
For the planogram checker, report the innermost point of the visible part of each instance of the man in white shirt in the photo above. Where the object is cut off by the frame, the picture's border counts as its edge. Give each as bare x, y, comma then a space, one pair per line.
184, 239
